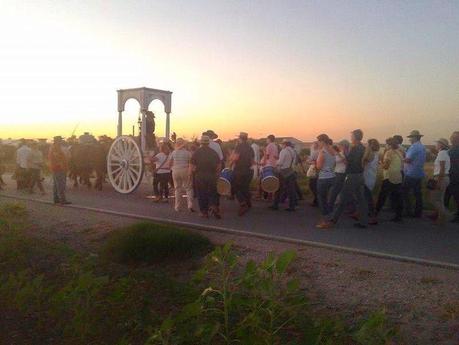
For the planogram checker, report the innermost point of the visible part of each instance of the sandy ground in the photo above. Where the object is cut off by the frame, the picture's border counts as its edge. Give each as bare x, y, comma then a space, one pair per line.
422, 300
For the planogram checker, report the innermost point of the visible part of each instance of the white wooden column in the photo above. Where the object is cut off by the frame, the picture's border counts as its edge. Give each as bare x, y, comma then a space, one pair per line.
120, 123
168, 125
143, 134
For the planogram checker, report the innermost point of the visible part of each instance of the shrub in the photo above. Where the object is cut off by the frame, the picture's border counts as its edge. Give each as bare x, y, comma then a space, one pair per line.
148, 243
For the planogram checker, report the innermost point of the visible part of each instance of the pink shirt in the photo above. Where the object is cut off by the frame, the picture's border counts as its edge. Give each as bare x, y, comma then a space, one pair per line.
272, 154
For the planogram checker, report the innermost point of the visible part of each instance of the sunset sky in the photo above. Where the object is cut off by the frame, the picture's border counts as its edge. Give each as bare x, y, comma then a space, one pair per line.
291, 68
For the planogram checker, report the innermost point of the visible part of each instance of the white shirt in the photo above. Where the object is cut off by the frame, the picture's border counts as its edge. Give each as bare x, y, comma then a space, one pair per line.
256, 153
287, 158
22, 156
370, 171
442, 156
216, 147
340, 166
161, 162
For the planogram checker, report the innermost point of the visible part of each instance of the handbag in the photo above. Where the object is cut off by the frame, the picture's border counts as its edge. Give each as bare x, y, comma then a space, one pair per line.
432, 184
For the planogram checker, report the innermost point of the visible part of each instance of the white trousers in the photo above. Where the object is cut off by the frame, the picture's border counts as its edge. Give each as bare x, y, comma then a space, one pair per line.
182, 182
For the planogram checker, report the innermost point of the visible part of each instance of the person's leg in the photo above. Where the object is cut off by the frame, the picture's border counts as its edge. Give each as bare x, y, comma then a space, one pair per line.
344, 197
280, 191
32, 180
418, 196
370, 201
406, 191
396, 200
455, 192
61, 177
55, 192
336, 189
382, 196
313, 189
201, 188
358, 189
155, 185
188, 185
176, 176
322, 196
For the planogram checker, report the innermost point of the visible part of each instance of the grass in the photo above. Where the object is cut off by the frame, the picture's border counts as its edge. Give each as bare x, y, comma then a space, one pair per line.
153, 243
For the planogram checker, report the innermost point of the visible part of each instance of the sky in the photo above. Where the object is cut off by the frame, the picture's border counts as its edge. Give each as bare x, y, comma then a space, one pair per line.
289, 68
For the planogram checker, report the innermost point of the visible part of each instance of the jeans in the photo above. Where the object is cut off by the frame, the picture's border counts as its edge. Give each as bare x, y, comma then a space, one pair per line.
242, 187
59, 181
161, 181
353, 188
336, 188
324, 186
206, 186
286, 190
412, 184
394, 191
182, 181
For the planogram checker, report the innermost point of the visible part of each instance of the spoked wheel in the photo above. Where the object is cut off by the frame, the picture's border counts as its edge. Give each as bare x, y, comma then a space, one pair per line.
125, 165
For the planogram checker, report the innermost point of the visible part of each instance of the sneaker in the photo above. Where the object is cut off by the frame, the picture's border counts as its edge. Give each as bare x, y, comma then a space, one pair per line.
360, 226
191, 209
204, 215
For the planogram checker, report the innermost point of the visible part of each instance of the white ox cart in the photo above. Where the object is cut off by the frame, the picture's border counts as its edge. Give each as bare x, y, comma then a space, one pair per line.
125, 159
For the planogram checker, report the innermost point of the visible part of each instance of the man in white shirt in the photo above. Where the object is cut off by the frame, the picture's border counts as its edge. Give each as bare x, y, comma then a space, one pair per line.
213, 144
22, 163
287, 177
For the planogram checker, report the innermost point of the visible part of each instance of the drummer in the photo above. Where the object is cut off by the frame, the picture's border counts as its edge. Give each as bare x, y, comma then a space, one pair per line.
243, 158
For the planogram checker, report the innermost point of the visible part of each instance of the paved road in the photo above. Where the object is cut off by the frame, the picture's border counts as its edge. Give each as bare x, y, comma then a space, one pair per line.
416, 238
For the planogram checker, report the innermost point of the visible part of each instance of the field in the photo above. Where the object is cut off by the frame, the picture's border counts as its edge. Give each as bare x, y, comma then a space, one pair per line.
71, 280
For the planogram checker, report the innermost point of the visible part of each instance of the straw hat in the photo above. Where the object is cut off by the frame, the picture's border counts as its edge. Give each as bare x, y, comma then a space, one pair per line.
443, 142
415, 134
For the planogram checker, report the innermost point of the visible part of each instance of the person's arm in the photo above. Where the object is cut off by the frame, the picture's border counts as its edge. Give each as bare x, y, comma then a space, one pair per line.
386, 161
320, 161
410, 156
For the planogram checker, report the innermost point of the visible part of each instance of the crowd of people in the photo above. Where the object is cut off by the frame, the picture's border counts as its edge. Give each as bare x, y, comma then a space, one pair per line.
342, 176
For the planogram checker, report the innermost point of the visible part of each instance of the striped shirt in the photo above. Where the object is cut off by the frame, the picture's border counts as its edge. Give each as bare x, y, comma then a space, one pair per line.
181, 159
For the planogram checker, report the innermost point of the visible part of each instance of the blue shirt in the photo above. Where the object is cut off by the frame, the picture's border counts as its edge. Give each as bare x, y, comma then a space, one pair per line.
417, 154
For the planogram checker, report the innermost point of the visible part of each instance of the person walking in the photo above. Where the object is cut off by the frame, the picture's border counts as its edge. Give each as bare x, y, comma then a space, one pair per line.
453, 188
325, 165
392, 164
162, 173
58, 165
342, 149
287, 177
414, 174
354, 185
36, 164
242, 161
312, 173
440, 181
180, 166
22, 165
206, 166
370, 172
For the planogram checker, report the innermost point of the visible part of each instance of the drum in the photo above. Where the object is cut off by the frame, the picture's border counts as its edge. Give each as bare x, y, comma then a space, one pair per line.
224, 182
269, 180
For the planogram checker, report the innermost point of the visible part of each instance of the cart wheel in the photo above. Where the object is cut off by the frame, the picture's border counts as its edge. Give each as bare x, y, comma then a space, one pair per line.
125, 165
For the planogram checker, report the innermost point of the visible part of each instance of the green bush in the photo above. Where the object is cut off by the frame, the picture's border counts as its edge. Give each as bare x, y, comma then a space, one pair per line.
148, 243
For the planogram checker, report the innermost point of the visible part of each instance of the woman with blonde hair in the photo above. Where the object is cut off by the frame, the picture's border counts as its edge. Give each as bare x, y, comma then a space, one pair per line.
371, 162
440, 181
